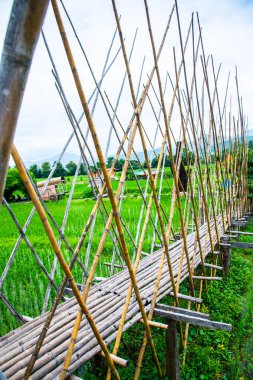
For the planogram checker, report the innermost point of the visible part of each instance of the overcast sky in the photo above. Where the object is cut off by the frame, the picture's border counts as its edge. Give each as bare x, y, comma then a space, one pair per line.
43, 128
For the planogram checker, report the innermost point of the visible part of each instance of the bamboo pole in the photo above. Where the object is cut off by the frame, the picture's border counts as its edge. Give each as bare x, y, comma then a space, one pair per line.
20, 41
178, 198
109, 189
30, 246
152, 183
88, 224
191, 115
61, 259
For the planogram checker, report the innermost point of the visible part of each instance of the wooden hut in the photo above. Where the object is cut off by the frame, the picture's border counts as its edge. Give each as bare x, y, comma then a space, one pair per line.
55, 189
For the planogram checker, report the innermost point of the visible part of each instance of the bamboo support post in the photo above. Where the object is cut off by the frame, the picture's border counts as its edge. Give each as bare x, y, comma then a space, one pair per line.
21, 38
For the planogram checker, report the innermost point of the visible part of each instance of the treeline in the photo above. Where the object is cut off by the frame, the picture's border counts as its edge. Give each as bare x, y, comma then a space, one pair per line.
60, 171
70, 169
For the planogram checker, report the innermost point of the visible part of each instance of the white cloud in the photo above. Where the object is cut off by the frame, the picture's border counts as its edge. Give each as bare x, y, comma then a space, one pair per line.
43, 127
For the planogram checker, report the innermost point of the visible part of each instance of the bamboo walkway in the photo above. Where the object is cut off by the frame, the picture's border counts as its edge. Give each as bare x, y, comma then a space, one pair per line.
105, 302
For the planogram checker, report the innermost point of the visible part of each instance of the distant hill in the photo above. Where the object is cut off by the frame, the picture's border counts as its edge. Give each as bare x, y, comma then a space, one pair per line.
250, 136
65, 159
75, 157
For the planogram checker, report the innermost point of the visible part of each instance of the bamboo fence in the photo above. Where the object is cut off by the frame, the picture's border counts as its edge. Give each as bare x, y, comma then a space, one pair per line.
175, 233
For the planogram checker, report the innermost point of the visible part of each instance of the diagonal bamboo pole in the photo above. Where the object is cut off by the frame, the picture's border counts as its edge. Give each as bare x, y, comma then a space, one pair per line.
12, 310
17, 244
140, 132
75, 124
108, 185
192, 122
30, 246
141, 354
65, 267
206, 151
191, 187
215, 141
90, 219
97, 206
169, 142
152, 184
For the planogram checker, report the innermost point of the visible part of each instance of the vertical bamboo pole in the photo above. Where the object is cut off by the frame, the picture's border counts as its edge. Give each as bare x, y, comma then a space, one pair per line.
192, 122
118, 338
166, 123
20, 41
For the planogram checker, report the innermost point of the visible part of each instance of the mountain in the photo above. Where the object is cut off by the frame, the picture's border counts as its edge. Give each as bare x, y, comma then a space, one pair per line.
250, 134
65, 159
75, 157
68, 156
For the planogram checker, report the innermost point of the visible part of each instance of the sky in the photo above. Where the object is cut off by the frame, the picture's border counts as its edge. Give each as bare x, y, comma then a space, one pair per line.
43, 127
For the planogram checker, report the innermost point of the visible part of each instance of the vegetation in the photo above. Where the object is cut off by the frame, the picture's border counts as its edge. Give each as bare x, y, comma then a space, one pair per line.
14, 186
28, 293
70, 168
210, 354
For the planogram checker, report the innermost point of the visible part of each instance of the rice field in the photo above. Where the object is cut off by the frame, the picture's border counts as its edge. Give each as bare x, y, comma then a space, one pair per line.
25, 284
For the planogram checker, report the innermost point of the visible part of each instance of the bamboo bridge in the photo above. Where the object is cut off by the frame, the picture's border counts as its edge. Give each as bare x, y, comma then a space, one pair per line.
186, 208
105, 302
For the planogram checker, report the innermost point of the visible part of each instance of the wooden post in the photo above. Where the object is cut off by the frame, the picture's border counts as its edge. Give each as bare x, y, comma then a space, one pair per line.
226, 255
172, 351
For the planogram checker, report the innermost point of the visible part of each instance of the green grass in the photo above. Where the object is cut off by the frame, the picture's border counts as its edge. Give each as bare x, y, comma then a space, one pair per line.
210, 354
25, 284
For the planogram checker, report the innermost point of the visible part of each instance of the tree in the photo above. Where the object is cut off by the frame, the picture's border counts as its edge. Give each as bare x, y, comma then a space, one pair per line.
154, 162
45, 169
119, 164
71, 168
82, 169
135, 164
167, 161
14, 183
59, 171
35, 170
109, 162
250, 145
